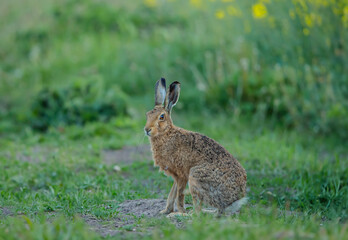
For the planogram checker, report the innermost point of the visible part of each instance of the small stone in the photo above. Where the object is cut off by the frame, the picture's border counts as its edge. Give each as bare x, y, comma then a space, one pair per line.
117, 168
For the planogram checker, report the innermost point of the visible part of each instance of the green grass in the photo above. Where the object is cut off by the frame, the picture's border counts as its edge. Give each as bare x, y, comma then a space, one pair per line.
255, 224
297, 183
25, 228
273, 95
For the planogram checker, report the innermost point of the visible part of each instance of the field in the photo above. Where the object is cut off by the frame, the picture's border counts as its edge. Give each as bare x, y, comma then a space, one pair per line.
267, 79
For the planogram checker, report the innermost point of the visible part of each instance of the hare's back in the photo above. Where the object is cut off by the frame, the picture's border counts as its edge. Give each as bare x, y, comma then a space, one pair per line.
210, 150
211, 153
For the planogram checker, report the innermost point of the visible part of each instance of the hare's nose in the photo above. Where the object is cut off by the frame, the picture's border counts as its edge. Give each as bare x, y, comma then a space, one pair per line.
147, 131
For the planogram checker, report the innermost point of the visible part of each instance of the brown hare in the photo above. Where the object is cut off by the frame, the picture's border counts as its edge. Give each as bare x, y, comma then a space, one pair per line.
215, 177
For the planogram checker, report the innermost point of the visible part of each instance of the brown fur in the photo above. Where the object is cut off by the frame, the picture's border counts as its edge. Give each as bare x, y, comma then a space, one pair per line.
215, 177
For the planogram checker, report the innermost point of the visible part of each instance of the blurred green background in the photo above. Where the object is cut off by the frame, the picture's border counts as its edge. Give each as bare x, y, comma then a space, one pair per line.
73, 61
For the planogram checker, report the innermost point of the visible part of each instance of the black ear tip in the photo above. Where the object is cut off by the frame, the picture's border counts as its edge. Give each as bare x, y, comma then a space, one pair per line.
175, 83
163, 82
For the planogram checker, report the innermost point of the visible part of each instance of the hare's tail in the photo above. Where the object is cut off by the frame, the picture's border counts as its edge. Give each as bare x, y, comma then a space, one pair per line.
236, 206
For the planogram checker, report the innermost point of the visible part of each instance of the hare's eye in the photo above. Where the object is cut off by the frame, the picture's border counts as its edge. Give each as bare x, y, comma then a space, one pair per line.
161, 117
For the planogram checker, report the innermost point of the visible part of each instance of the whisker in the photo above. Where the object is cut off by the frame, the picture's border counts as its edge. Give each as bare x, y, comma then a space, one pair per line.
141, 138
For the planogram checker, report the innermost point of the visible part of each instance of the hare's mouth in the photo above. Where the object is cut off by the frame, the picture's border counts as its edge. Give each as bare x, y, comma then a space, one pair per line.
147, 132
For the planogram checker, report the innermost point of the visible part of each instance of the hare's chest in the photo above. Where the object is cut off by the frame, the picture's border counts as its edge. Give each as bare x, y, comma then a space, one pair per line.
166, 163
168, 157
163, 161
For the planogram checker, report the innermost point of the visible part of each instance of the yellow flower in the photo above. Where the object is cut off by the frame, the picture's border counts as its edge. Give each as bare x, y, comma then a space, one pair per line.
220, 14
292, 13
196, 3
306, 31
227, 1
308, 20
345, 16
323, 3
259, 10
303, 4
150, 3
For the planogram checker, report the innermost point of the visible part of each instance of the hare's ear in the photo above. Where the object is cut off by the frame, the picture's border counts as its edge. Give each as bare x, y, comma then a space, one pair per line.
160, 91
172, 96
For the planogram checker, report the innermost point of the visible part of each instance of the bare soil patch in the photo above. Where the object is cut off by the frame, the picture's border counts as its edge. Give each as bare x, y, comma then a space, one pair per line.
143, 207
127, 154
5, 212
126, 221
36, 154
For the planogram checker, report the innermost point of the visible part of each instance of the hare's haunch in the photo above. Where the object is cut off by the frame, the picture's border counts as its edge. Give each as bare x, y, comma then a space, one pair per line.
215, 177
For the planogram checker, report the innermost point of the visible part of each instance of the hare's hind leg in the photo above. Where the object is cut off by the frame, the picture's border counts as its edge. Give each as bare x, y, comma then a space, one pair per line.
205, 182
171, 200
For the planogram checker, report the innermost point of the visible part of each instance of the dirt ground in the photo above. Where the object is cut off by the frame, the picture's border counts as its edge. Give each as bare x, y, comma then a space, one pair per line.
5, 212
126, 221
127, 154
124, 156
142, 207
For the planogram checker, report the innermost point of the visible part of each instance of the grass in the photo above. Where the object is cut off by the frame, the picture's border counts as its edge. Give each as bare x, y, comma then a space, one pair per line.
297, 184
255, 224
276, 103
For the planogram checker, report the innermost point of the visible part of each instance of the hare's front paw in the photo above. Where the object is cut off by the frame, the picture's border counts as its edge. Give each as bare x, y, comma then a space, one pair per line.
166, 211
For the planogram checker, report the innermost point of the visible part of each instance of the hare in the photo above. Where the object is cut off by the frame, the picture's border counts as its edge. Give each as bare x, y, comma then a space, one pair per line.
214, 176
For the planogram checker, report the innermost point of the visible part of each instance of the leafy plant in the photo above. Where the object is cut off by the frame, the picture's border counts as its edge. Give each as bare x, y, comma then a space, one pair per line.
77, 104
